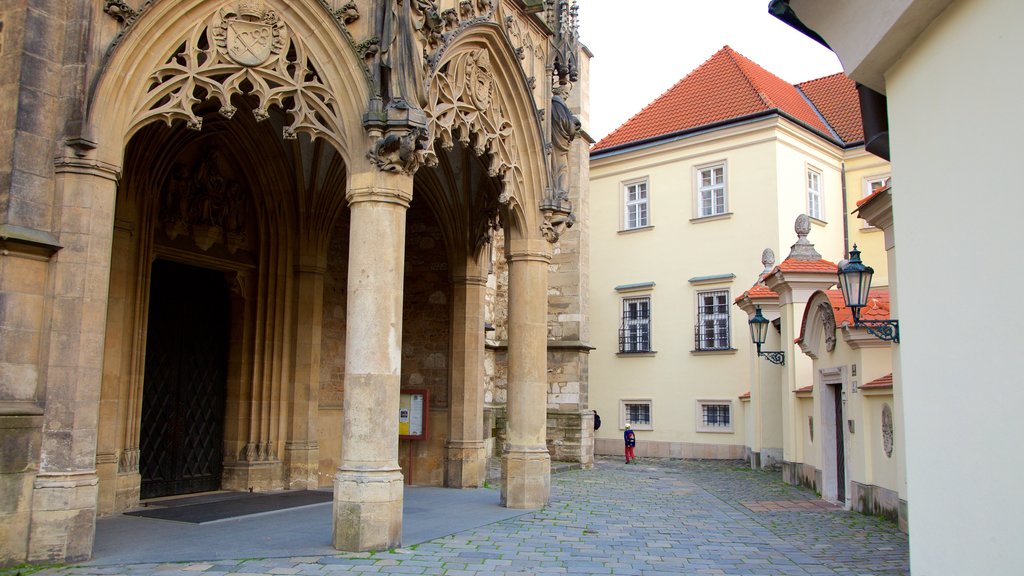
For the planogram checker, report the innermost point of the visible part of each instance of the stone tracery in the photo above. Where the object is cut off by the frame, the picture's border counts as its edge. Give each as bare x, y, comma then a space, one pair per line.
242, 51
464, 104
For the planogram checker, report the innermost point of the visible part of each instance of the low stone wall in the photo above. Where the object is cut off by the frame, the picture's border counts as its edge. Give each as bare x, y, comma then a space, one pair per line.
799, 474
878, 501
661, 449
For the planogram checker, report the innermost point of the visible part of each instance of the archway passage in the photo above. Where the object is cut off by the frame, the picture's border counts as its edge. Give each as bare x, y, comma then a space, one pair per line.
182, 428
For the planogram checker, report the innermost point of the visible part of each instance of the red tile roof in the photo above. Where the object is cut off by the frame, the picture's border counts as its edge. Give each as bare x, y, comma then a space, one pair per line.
728, 86
877, 308
883, 382
792, 265
836, 99
758, 292
878, 192
809, 388
745, 396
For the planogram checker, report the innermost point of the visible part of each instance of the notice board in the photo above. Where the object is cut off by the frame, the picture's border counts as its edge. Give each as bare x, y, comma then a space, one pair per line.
412, 414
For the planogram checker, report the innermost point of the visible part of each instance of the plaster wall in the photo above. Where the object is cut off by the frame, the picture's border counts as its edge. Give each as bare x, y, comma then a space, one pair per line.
861, 168
957, 391
796, 153
766, 163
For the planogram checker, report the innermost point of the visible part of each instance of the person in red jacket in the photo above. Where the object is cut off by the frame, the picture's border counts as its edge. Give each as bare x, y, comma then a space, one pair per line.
630, 438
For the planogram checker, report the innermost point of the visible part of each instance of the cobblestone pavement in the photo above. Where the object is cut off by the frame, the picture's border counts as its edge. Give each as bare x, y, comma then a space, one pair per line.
658, 517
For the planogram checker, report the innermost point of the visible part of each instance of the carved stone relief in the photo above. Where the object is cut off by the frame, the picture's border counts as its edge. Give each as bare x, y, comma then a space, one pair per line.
887, 430
198, 201
828, 321
244, 49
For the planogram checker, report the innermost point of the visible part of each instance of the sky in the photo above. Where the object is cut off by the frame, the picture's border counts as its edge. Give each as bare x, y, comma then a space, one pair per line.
643, 47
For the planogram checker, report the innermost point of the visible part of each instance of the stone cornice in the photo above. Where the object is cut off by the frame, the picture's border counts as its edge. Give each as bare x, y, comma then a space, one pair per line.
27, 241
87, 166
858, 338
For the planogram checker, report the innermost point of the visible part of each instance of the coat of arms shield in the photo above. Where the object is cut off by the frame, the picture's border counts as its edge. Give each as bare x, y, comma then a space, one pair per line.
249, 43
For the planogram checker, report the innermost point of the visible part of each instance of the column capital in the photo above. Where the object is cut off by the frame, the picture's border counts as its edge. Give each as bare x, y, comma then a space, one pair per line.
536, 250
470, 279
377, 186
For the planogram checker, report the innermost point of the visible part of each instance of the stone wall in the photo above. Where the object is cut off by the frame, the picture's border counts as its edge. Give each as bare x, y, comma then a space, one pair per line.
426, 317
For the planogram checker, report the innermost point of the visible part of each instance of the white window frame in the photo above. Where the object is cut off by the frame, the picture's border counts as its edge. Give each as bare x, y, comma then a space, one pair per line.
701, 415
636, 325
869, 184
624, 413
641, 217
869, 189
815, 194
723, 313
716, 206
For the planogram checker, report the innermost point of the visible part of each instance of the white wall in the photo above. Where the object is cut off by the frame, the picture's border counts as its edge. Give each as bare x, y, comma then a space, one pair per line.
956, 128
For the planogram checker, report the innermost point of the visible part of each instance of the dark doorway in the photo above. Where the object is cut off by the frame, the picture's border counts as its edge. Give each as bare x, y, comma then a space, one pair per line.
840, 445
182, 432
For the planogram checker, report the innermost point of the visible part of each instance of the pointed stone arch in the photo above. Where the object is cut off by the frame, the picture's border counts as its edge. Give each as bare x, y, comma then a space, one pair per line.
175, 56
479, 96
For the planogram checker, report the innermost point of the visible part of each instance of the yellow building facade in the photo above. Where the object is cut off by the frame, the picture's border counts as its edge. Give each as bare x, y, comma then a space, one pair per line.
681, 205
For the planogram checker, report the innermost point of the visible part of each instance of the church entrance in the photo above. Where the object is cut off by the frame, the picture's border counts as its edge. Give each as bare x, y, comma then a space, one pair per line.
182, 432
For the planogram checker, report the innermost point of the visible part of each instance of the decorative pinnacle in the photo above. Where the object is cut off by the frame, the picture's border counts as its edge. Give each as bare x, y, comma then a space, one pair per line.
803, 249
768, 261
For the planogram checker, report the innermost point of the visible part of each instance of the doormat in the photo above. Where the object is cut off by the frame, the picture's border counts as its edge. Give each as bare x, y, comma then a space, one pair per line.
245, 504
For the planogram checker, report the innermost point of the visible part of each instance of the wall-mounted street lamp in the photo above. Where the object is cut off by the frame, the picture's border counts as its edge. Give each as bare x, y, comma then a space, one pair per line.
855, 282
758, 333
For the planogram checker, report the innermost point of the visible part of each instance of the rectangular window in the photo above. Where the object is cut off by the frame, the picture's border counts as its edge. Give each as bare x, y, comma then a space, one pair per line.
714, 416
637, 413
635, 206
635, 331
711, 191
814, 209
712, 330
873, 184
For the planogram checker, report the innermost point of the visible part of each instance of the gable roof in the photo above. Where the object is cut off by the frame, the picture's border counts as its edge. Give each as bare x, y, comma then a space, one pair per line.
729, 87
835, 97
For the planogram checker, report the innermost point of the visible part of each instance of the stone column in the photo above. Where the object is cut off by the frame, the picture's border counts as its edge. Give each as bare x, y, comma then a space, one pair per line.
526, 465
301, 450
368, 486
465, 453
65, 489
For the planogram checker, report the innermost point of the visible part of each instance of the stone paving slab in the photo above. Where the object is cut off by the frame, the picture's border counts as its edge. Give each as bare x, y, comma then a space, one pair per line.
660, 517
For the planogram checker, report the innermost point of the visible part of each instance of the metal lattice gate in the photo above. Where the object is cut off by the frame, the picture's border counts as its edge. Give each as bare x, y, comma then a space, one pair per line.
182, 433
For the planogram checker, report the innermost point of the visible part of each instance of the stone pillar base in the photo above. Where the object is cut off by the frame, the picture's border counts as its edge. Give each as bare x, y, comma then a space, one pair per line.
526, 478
367, 510
252, 476
466, 465
128, 491
63, 517
301, 465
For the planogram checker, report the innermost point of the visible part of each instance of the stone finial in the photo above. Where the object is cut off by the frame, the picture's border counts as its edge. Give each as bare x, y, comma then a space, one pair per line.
768, 261
803, 249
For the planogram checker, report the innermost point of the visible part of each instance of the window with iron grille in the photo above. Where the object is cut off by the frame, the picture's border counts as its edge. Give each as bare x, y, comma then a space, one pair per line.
714, 416
712, 330
636, 413
635, 206
711, 191
814, 209
635, 331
